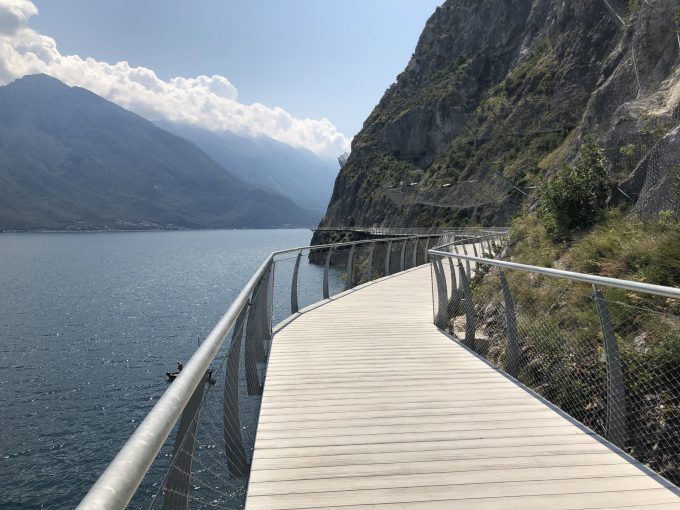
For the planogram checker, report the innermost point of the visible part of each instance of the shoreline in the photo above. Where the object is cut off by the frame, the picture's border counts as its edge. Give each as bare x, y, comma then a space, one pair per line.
117, 231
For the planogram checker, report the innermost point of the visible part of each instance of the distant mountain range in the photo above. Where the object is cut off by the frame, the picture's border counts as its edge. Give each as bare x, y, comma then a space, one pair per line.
298, 174
70, 159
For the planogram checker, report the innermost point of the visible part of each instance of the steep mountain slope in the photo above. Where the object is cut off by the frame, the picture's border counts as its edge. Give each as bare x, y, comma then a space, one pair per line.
72, 160
296, 173
499, 93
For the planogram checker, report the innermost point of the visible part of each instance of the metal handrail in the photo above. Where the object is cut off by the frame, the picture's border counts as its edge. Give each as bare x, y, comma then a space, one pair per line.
464, 239
648, 288
350, 243
119, 481
407, 231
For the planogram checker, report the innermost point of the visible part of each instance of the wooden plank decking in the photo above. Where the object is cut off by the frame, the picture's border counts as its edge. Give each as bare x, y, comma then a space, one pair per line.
367, 405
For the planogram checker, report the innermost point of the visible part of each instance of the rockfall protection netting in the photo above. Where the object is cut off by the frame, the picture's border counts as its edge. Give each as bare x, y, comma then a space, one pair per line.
206, 460
608, 357
489, 189
654, 185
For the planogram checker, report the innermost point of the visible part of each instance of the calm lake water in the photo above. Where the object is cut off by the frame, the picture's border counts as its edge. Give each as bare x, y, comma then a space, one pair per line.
89, 324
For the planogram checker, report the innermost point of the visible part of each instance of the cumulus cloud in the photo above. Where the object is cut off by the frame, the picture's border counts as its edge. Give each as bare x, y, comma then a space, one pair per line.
14, 14
210, 102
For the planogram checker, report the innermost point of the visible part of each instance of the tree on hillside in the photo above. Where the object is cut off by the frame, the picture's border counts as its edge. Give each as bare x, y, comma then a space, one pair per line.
576, 197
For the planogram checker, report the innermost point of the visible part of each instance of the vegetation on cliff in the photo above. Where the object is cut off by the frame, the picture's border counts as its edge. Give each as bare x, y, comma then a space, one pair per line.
500, 96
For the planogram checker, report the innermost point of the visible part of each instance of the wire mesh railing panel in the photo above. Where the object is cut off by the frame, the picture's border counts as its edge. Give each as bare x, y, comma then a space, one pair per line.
215, 439
648, 342
311, 275
608, 357
379, 255
206, 468
359, 267
411, 249
394, 261
284, 268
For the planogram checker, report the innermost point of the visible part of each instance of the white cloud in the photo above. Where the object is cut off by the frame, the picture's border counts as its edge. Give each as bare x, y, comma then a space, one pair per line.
209, 102
14, 14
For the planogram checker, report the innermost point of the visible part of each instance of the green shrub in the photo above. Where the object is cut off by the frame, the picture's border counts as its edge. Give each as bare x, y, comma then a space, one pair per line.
576, 197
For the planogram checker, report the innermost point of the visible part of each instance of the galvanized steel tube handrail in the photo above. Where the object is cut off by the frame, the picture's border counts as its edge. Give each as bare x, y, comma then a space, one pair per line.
119, 481
350, 243
647, 288
404, 230
464, 240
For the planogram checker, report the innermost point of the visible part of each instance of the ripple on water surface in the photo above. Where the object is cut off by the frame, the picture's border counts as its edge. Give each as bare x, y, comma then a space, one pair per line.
89, 324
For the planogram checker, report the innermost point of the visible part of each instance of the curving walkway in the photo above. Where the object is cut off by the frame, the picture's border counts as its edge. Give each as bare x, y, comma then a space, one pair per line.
368, 405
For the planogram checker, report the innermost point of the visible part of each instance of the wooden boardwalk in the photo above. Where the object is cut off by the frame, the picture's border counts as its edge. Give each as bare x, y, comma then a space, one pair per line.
367, 405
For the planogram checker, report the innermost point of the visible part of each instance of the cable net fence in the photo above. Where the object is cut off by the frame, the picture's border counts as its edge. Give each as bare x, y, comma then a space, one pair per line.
608, 357
488, 189
206, 460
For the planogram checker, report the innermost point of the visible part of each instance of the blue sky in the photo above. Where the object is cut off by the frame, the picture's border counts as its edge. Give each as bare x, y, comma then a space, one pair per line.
313, 58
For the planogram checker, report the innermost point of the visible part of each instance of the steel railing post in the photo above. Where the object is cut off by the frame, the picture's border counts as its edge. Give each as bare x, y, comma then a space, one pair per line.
454, 303
270, 299
402, 259
237, 460
294, 286
176, 484
326, 269
452, 268
512, 346
442, 294
616, 427
470, 328
388, 255
467, 262
415, 252
254, 348
349, 280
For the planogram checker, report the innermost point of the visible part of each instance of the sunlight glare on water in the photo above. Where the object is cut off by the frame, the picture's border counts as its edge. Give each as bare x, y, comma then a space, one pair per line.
89, 324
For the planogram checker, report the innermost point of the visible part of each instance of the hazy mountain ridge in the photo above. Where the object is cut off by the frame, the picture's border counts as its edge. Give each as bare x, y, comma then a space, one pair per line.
293, 172
72, 160
514, 87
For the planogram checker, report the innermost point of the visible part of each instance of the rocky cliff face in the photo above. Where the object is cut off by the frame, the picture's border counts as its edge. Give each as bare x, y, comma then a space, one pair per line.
499, 93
